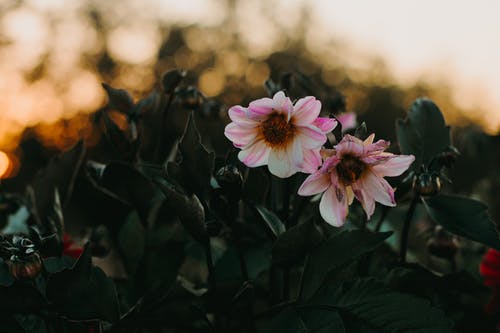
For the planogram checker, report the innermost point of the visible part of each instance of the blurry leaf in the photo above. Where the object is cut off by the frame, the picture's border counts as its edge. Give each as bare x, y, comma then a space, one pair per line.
171, 80
6, 279
271, 87
370, 303
83, 291
119, 99
196, 160
188, 208
464, 217
57, 264
21, 297
59, 173
423, 133
288, 321
55, 219
130, 184
161, 264
31, 323
272, 221
147, 104
117, 138
257, 258
256, 186
292, 245
131, 240
306, 320
339, 250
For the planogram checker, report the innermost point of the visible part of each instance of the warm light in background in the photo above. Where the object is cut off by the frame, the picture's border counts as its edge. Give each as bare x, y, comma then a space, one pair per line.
48, 50
5, 165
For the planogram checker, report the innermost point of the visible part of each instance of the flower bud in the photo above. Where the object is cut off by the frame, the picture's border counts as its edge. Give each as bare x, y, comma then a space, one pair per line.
230, 180
27, 267
426, 184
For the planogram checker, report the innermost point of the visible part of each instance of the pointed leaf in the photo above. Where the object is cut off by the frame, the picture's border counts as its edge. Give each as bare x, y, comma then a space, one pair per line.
196, 159
423, 133
335, 253
171, 80
272, 221
119, 99
464, 217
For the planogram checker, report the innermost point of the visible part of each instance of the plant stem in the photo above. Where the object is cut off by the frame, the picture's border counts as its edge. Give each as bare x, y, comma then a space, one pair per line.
286, 221
406, 228
383, 215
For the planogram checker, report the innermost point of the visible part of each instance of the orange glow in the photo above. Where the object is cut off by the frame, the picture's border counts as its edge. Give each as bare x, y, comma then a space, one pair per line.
5, 165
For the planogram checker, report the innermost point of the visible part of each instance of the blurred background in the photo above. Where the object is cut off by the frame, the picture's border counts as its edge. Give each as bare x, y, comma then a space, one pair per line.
54, 54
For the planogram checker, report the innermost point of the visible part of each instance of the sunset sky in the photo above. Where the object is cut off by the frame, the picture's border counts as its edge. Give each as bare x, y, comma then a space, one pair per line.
455, 42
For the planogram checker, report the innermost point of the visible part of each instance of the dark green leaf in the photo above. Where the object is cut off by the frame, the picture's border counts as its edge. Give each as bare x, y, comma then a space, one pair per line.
118, 139
171, 80
464, 217
188, 208
31, 323
131, 240
370, 303
288, 321
335, 253
272, 221
258, 259
6, 279
256, 186
196, 159
83, 291
423, 133
130, 184
293, 244
57, 264
147, 104
59, 173
119, 99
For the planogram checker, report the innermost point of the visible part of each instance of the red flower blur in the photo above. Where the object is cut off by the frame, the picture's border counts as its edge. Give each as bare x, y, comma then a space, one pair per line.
69, 249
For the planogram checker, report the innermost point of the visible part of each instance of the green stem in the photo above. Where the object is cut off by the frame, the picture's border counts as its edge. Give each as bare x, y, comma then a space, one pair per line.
406, 228
286, 221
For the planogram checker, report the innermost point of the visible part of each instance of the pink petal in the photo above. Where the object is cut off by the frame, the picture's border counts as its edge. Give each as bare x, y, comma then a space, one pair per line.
348, 120
260, 108
366, 201
240, 136
333, 206
280, 165
311, 137
369, 139
350, 145
255, 155
312, 160
326, 125
306, 110
296, 154
394, 166
283, 104
377, 188
378, 146
239, 115
316, 183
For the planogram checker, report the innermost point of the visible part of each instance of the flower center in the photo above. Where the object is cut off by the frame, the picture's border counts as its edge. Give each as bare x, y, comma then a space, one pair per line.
277, 131
350, 169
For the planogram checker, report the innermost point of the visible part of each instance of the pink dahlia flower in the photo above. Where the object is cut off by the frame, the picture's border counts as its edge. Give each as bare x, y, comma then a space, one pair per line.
355, 168
275, 132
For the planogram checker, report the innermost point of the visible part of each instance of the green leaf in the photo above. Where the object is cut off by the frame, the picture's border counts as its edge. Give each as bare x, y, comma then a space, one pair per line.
6, 279
131, 185
31, 323
132, 240
292, 245
57, 264
257, 258
196, 159
83, 291
272, 221
464, 217
423, 133
370, 303
188, 208
336, 252
60, 174
119, 99
148, 104
305, 320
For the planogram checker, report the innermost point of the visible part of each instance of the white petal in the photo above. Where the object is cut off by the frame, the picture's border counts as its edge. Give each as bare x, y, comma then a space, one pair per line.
366, 201
377, 188
394, 166
333, 206
255, 154
306, 110
279, 164
311, 136
240, 136
314, 184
